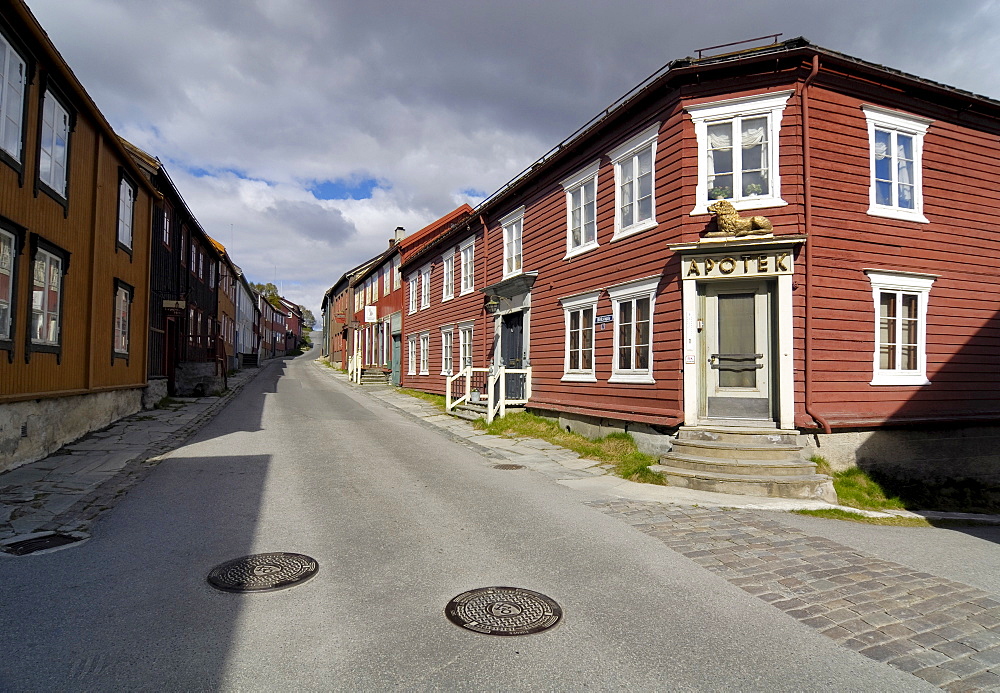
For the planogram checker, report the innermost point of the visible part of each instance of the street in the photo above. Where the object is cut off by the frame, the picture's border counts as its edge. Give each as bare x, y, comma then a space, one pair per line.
401, 519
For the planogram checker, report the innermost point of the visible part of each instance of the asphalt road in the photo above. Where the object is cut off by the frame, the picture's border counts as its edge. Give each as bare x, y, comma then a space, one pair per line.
400, 520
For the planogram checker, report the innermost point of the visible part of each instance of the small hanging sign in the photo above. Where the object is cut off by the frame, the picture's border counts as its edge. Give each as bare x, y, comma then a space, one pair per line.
601, 319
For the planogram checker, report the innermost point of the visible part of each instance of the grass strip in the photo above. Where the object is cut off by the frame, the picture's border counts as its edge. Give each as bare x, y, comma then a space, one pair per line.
856, 489
437, 400
838, 514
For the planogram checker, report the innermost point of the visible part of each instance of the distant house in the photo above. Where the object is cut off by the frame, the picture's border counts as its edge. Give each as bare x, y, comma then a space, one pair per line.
74, 253
293, 324
339, 324
226, 290
247, 321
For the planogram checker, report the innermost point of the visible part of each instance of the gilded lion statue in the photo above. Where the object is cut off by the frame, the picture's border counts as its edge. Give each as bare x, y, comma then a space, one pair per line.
732, 224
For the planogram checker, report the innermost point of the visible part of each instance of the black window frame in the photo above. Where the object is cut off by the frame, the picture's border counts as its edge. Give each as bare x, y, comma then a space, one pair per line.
123, 177
19, 233
130, 290
47, 86
37, 243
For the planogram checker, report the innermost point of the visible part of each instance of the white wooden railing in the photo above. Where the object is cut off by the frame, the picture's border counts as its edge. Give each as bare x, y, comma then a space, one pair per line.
496, 382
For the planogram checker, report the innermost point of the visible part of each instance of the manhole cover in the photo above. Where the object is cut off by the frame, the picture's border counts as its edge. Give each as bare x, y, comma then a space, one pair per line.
508, 466
503, 611
263, 572
50, 541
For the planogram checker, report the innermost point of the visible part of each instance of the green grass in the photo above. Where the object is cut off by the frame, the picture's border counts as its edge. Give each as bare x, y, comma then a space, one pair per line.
617, 449
437, 400
838, 514
856, 489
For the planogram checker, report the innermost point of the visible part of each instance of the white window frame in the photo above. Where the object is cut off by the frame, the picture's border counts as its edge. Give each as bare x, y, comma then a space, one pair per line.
573, 185
13, 76
397, 281
448, 276
896, 124
447, 360
468, 252
513, 235
126, 212
40, 304
411, 355
629, 292
122, 319
386, 287
8, 244
630, 151
53, 163
887, 281
770, 106
425, 353
166, 227
573, 304
465, 345
414, 289
425, 286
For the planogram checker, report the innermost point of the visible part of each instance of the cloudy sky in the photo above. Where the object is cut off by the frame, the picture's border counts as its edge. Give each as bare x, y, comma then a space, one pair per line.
302, 132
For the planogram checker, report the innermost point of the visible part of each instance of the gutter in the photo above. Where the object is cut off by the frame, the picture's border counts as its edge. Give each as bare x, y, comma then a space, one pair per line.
807, 204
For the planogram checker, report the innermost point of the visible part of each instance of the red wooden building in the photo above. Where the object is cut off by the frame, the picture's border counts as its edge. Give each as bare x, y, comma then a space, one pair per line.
847, 289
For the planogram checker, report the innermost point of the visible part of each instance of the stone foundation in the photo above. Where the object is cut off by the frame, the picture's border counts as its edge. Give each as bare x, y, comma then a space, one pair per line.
154, 392
197, 379
940, 468
647, 438
48, 424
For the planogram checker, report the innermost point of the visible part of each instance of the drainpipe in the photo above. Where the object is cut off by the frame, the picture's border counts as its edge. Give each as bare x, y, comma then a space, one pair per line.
486, 269
807, 203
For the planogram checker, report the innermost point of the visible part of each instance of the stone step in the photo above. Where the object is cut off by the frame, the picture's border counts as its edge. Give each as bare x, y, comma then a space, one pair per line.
747, 450
753, 467
743, 435
804, 487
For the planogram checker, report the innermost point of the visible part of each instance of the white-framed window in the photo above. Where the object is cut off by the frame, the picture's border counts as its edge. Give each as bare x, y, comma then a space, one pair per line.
738, 151
46, 290
126, 212
581, 210
123, 302
465, 345
579, 312
468, 252
446, 358
397, 281
386, 287
413, 288
513, 225
448, 275
635, 183
425, 351
6, 280
13, 74
425, 287
54, 148
201, 265
166, 226
211, 276
411, 355
900, 300
632, 307
896, 145
194, 259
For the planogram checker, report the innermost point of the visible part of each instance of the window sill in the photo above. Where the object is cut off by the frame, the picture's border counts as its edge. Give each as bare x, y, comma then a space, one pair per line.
900, 379
445, 299
518, 273
634, 229
741, 205
466, 292
578, 378
424, 373
897, 213
581, 250
639, 378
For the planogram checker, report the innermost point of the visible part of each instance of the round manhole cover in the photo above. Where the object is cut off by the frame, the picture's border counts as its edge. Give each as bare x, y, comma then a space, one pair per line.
508, 466
263, 572
503, 611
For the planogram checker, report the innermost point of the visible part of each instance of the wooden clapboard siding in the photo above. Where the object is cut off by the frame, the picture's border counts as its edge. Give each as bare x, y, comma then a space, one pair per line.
85, 228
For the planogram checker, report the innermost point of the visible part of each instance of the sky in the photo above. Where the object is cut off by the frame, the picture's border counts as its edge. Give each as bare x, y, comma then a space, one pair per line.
301, 133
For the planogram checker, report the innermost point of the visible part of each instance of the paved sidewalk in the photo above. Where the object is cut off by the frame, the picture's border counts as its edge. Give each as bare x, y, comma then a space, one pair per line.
66, 491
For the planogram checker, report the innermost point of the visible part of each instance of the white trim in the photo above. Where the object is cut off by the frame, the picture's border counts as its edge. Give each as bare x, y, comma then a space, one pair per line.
451, 355
411, 355
413, 287
630, 291
702, 115
470, 246
425, 353
571, 185
572, 304
913, 283
425, 287
913, 126
646, 138
509, 220
448, 257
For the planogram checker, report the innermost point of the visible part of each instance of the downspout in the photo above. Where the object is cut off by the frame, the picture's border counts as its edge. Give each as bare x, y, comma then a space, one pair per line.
807, 203
486, 282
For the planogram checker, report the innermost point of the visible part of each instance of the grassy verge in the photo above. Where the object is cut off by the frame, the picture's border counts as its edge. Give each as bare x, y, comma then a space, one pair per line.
838, 514
436, 400
325, 362
856, 489
616, 449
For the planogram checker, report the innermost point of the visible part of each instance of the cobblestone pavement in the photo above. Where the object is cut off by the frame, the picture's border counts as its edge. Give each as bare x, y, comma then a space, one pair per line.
66, 491
943, 631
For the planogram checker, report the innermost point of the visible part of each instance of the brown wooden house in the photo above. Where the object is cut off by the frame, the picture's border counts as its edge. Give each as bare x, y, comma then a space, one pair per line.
751, 246
75, 219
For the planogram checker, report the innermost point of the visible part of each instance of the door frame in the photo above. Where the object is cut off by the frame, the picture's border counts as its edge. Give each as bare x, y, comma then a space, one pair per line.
711, 260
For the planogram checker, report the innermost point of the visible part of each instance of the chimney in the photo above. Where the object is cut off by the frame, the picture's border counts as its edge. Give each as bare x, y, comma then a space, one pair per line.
399, 234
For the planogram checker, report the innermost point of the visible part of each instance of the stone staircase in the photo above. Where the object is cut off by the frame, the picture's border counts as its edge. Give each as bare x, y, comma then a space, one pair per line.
748, 461
374, 377
471, 411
